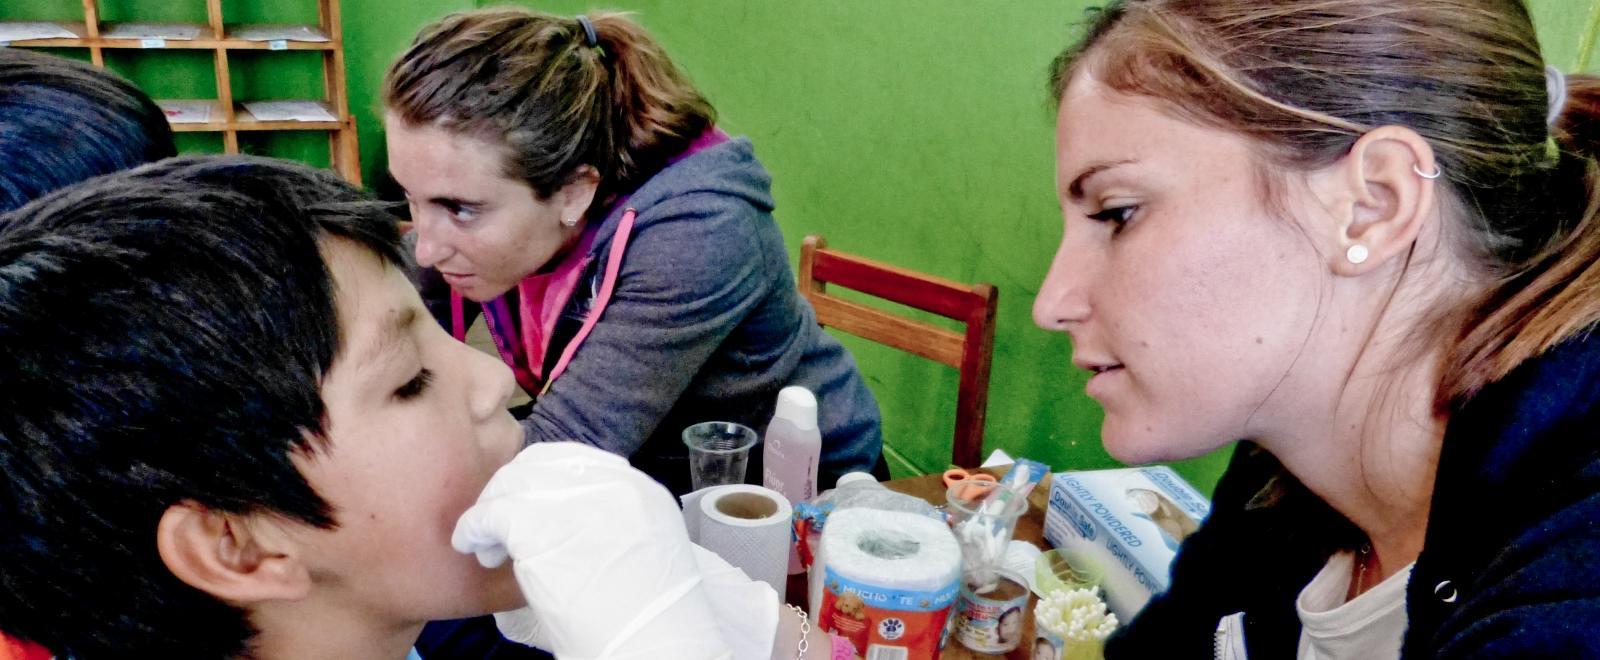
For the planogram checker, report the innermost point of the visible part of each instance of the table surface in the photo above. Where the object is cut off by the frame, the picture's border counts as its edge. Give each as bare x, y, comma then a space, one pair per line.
1030, 528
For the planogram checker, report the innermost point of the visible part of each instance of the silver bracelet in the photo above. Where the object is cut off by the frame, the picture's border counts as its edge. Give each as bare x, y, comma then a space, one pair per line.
805, 631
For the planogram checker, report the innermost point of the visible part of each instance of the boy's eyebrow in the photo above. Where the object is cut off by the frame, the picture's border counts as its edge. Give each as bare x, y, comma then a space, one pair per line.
390, 338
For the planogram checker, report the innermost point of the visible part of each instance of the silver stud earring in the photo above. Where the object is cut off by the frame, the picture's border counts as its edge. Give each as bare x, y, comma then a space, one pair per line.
570, 222
1356, 254
1436, 173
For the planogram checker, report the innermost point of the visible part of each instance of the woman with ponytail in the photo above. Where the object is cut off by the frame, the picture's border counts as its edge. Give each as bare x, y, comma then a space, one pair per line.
1361, 238
568, 182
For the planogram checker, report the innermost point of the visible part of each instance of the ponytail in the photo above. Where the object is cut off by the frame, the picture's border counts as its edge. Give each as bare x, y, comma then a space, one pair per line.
654, 112
1554, 294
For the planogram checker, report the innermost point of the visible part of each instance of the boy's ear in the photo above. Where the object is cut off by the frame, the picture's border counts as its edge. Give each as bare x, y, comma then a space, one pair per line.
235, 558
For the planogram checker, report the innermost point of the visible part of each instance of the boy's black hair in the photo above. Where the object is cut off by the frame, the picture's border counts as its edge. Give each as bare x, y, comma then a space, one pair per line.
165, 332
63, 121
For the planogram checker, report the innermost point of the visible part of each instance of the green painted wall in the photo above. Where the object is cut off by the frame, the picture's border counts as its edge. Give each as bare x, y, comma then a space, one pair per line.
916, 133
909, 131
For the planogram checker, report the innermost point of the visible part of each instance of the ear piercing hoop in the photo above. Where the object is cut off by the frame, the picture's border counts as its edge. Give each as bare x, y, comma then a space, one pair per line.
1436, 173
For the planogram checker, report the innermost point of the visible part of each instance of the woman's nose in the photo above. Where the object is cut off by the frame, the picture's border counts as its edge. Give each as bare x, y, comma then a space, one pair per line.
1063, 298
430, 249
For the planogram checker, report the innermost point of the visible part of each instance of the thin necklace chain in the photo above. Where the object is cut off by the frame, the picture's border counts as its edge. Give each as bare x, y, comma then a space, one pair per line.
1364, 560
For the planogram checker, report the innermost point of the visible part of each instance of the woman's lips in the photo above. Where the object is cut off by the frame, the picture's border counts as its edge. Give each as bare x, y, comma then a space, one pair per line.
1103, 378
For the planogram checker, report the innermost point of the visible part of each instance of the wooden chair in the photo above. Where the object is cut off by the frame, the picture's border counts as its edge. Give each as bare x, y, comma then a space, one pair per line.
972, 304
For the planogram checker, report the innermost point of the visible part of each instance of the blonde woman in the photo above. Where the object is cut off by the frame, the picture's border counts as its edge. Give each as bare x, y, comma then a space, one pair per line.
567, 180
1361, 236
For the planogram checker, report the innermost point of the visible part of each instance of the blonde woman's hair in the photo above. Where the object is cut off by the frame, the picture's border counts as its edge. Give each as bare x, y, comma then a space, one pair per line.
1304, 79
533, 82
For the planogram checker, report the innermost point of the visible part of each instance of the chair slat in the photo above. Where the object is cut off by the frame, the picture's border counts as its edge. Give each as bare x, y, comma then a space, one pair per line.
931, 342
924, 292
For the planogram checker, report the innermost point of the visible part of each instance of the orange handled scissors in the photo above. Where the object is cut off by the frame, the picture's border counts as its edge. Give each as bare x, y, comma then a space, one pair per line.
979, 484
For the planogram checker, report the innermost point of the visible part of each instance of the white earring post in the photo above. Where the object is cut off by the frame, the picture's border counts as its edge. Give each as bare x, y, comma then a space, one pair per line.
1356, 254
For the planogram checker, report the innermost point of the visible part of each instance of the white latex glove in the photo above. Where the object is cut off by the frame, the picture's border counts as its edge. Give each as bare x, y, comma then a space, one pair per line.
747, 611
600, 553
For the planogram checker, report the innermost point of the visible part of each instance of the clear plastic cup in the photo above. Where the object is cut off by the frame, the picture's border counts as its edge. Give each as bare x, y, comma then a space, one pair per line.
718, 453
987, 507
983, 515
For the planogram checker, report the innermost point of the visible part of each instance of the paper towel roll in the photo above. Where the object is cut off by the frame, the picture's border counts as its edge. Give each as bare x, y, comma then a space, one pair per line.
938, 549
748, 526
902, 550
903, 571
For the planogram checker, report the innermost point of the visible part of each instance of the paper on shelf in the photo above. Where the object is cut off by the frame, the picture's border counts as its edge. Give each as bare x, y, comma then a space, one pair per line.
277, 33
186, 112
172, 31
28, 31
289, 111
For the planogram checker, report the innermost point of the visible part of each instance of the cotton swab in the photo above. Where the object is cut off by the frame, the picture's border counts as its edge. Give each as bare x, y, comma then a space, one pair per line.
1079, 618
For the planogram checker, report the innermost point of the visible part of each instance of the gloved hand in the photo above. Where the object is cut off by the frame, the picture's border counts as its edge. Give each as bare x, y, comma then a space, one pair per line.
601, 554
747, 611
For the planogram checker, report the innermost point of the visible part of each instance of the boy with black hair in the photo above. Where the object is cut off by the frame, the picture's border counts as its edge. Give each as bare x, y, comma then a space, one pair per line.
228, 426
231, 429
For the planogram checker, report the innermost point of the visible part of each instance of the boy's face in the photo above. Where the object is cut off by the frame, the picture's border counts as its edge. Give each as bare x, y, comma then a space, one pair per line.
417, 424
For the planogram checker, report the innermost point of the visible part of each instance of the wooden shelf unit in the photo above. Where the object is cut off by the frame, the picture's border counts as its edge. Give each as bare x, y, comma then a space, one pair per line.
229, 116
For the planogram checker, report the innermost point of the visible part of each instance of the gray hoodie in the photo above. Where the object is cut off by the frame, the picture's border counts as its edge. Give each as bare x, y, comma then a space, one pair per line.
705, 323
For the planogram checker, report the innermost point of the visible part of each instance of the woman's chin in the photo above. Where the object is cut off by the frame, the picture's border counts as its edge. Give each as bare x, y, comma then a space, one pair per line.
1129, 455
481, 292
1139, 444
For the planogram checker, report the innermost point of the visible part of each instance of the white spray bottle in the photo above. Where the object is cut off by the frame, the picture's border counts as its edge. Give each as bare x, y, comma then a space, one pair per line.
791, 449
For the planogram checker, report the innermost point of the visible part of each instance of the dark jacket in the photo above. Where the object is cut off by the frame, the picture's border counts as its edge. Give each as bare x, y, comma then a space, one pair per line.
706, 323
1510, 567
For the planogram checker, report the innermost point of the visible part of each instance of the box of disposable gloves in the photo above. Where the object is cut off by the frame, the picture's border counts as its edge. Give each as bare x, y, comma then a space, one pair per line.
1129, 521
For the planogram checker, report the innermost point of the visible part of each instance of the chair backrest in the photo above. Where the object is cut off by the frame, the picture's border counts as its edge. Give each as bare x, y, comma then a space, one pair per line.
969, 352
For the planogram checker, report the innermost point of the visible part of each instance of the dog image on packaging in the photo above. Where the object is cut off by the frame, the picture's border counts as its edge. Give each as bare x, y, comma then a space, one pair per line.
890, 618
849, 606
